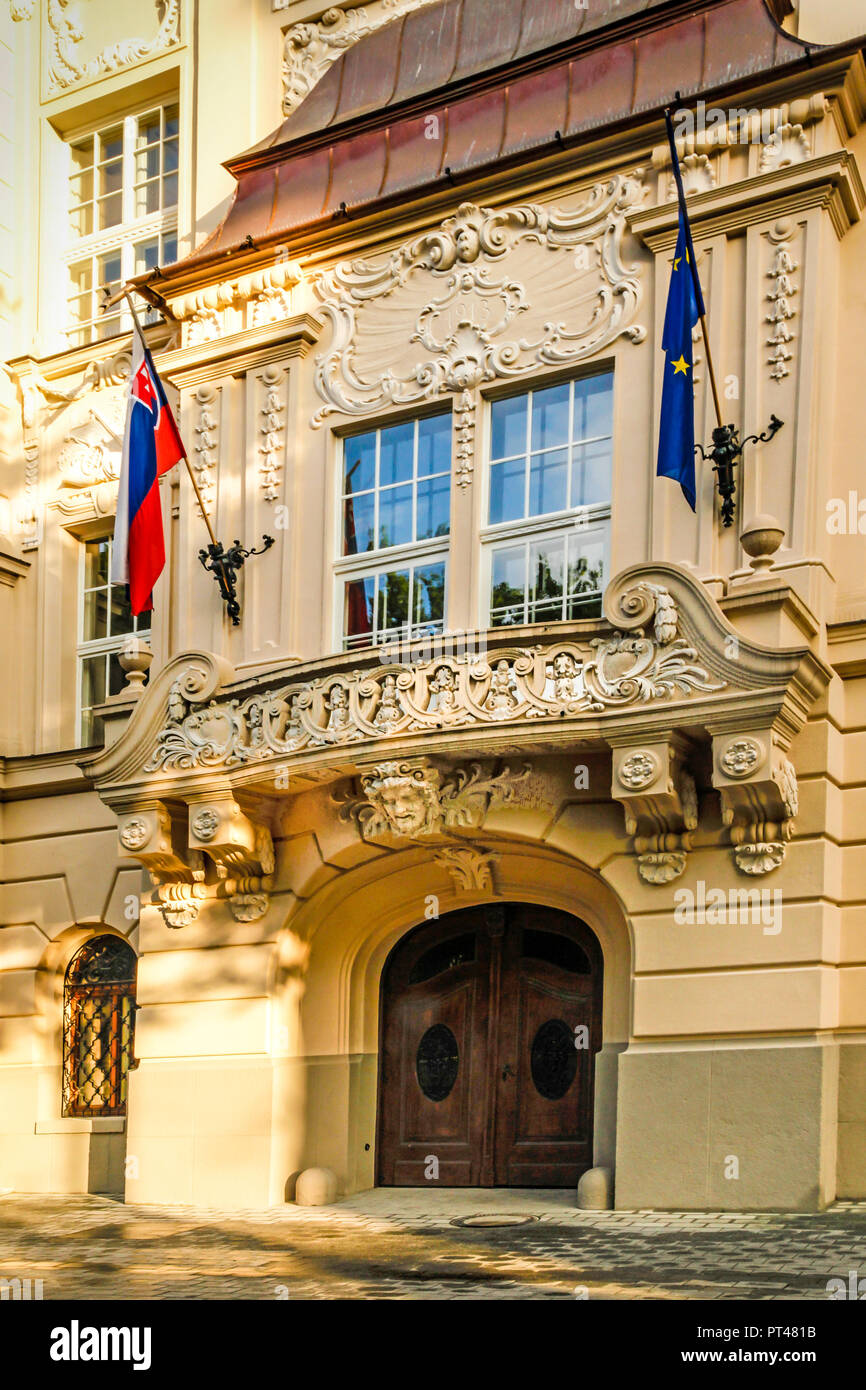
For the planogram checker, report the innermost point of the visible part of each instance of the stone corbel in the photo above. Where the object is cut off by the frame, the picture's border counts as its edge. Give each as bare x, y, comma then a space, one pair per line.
241, 851
660, 802
155, 837
758, 787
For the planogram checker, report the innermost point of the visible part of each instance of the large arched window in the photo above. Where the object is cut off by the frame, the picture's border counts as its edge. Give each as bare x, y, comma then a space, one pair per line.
98, 1027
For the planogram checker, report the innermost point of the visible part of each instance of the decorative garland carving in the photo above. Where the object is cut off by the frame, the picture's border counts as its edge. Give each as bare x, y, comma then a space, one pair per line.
206, 446
464, 434
446, 283
271, 432
64, 68
624, 669
780, 294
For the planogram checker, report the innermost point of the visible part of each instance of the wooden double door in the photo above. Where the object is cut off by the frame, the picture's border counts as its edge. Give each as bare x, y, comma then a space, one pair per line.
491, 1019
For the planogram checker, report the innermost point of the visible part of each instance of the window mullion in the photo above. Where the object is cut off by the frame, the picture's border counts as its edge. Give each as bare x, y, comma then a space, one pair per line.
128, 168
570, 503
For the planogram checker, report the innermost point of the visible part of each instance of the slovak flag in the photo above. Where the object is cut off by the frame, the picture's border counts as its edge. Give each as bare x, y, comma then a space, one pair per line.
151, 446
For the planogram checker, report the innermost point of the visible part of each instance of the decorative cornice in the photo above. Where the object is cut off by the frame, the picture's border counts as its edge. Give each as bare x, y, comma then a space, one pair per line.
13, 566
196, 363
830, 181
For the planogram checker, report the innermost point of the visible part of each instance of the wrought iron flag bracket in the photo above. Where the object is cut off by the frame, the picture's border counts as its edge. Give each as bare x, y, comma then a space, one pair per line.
224, 565
726, 453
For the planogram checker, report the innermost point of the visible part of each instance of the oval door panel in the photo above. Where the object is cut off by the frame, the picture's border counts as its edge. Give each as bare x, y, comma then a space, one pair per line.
553, 1059
437, 1061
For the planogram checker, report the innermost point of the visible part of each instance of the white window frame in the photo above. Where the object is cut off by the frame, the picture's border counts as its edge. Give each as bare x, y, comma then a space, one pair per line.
98, 646
411, 555
583, 520
124, 235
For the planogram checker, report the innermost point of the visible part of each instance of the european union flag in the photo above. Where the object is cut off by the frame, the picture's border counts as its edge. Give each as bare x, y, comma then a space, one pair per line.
677, 424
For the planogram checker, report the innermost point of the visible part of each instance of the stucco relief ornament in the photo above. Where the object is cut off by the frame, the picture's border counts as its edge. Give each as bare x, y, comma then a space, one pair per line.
741, 757
135, 833
411, 799
760, 817
470, 868
205, 825
638, 770
788, 144
666, 860
248, 907
66, 32
661, 866
780, 295
648, 663
91, 451
465, 320
310, 49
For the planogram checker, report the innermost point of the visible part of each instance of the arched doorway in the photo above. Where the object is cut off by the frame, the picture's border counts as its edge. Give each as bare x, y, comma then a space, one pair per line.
491, 1019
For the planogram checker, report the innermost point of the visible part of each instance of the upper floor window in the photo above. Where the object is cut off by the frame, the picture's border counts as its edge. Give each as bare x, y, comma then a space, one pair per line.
122, 201
548, 520
395, 521
98, 1027
106, 626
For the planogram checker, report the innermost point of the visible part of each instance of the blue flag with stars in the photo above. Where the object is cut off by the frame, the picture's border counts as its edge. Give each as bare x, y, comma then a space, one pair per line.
677, 424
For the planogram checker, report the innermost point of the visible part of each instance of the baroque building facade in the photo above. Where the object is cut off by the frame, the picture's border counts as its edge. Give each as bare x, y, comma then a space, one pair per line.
514, 830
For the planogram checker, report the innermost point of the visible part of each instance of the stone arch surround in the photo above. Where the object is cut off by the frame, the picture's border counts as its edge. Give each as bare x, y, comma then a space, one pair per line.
344, 934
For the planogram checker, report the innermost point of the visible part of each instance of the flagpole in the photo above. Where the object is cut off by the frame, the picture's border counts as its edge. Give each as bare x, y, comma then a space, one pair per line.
221, 563
125, 294
693, 263
727, 449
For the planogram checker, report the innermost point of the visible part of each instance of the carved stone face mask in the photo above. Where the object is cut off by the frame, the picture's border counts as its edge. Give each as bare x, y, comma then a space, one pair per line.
404, 806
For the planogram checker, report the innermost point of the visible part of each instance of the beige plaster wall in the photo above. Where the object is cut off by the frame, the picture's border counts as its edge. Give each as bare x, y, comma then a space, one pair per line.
62, 882
257, 1042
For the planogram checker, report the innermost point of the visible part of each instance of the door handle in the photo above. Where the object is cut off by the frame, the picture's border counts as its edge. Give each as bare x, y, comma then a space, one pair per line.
507, 1071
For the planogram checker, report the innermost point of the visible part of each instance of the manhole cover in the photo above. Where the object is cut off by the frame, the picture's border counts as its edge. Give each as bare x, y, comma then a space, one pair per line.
491, 1219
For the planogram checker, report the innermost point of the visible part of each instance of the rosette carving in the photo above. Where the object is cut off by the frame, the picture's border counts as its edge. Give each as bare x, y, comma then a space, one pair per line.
759, 797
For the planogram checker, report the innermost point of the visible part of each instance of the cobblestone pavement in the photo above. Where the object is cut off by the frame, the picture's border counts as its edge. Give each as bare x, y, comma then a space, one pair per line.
403, 1244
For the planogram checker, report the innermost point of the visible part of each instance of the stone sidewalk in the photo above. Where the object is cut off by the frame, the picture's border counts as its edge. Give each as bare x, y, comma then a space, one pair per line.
404, 1244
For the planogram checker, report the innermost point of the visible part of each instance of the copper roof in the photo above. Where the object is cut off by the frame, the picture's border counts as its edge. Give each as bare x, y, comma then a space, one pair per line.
544, 72
445, 45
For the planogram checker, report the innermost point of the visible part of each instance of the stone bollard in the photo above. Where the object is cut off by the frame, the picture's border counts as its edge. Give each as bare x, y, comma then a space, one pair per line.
316, 1187
595, 1190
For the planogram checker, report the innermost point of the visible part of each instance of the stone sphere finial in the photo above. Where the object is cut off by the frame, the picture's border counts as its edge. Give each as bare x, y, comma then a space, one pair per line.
761, 538
134, 658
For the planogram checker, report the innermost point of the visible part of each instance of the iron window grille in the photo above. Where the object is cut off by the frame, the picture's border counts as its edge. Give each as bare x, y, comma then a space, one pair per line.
98, 1028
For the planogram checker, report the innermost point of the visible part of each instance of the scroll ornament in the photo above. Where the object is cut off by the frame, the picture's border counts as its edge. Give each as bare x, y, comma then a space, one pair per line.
454, 293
